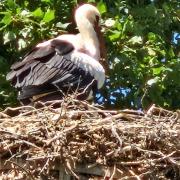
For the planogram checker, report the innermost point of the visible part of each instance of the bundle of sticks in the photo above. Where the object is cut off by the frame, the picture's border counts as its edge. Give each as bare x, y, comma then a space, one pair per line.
84, 139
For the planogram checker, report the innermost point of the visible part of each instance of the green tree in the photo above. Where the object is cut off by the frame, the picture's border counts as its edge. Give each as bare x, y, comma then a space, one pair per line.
144, 63
143, 57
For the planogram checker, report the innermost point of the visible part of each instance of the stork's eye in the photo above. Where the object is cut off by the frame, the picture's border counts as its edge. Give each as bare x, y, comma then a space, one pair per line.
97, 19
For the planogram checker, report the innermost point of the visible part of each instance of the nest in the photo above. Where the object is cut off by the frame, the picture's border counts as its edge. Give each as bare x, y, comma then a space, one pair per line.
83, 140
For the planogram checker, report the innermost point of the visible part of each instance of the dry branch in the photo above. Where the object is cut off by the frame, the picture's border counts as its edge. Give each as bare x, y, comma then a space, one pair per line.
70, 133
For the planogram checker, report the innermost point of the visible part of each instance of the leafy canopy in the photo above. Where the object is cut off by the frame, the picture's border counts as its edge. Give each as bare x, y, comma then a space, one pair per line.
142, 40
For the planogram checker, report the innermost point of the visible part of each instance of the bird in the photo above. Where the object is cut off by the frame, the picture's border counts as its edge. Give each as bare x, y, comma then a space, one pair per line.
67, 64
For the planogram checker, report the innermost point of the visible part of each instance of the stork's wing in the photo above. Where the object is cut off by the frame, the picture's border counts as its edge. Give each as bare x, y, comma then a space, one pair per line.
49, 68
43, 53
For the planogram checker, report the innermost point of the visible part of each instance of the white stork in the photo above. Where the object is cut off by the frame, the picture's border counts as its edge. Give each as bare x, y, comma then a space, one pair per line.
66, 64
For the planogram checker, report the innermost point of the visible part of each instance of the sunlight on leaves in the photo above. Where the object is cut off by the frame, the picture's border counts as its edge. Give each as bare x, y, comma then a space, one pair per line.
49, 16
102, 7
38, 13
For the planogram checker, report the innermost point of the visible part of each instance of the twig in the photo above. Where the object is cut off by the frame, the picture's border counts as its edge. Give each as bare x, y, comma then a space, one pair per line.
134, 174
61, 110
114, 171
131, 163
43, 157
27, 172
47, 162
130, 111
61, 133
168, 157
8, 147
13, 135
30, 144
114, 132
106, 173
150, 110
3, 115
85, 103
15, 111
111, 118
68, 166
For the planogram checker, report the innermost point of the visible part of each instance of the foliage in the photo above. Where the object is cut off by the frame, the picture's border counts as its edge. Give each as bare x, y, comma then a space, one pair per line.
142, 55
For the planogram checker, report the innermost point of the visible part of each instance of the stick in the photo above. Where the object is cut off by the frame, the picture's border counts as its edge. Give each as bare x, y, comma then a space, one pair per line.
27, 172
61, 133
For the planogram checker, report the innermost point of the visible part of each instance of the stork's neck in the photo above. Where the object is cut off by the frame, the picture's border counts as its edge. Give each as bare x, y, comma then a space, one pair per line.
89, 37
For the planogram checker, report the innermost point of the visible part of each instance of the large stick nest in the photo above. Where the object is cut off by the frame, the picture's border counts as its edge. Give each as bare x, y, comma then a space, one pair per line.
70, 133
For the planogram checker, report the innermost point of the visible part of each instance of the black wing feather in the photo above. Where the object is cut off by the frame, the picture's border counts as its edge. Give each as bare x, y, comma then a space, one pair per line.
46, 70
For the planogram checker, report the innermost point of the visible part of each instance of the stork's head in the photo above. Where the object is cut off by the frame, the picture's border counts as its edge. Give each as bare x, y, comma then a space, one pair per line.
87, 18
89, 12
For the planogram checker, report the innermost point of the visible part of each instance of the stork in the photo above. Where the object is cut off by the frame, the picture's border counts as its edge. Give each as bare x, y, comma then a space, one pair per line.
63, 65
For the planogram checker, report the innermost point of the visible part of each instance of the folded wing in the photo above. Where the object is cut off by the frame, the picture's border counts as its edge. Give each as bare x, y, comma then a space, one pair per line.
54, 70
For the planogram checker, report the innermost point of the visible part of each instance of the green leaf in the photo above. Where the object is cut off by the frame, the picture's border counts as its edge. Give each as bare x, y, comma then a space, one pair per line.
91, 1
171, 52
115, 35
157, 71
7, 19
3, 65
38, 13
11, 4
25, 13
153, 81
9, 36
150, 10
25, 32
102, 7
136, 40
62, 26
151, 36
21, 44
109, 22
49, 16
18, 10
151, 52
168, 69
46, 1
